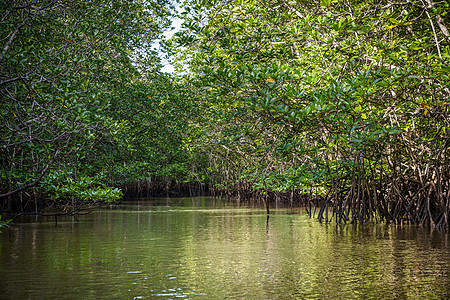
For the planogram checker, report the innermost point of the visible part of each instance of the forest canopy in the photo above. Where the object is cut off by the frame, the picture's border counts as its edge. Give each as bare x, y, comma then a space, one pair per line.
339, 104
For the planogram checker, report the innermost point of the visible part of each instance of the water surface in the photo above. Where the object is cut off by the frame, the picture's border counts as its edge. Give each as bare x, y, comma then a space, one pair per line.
205, 248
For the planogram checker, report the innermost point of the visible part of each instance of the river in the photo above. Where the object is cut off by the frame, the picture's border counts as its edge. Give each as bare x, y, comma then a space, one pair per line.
206, 248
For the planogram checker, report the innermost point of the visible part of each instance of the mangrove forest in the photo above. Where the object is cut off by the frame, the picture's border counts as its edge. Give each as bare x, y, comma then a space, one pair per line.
338, 106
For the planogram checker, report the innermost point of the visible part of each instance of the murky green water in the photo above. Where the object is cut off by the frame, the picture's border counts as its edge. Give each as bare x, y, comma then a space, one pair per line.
202, 248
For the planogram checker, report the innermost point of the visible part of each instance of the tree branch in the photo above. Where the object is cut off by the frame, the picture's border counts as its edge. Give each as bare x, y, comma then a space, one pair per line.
31, 184
439, 21
8, 44
435, 36
12, 80
292, 9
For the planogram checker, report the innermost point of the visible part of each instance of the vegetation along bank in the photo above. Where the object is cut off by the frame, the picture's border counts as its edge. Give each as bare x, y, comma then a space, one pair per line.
338, 105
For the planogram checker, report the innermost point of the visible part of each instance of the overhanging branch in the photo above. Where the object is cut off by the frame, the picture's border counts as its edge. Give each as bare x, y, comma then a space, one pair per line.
31, 184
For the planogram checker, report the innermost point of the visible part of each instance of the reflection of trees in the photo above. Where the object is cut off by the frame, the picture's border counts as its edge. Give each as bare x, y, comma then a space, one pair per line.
228, 253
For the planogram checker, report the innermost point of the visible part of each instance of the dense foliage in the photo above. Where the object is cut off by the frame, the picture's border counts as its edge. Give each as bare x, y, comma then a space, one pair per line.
346, 102
83, 103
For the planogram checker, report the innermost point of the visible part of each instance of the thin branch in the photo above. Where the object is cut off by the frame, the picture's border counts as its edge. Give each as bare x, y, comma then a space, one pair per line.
435, 36
31, 184
12, 80
292, 9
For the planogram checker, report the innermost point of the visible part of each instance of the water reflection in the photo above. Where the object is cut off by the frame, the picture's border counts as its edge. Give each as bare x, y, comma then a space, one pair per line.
199, 248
